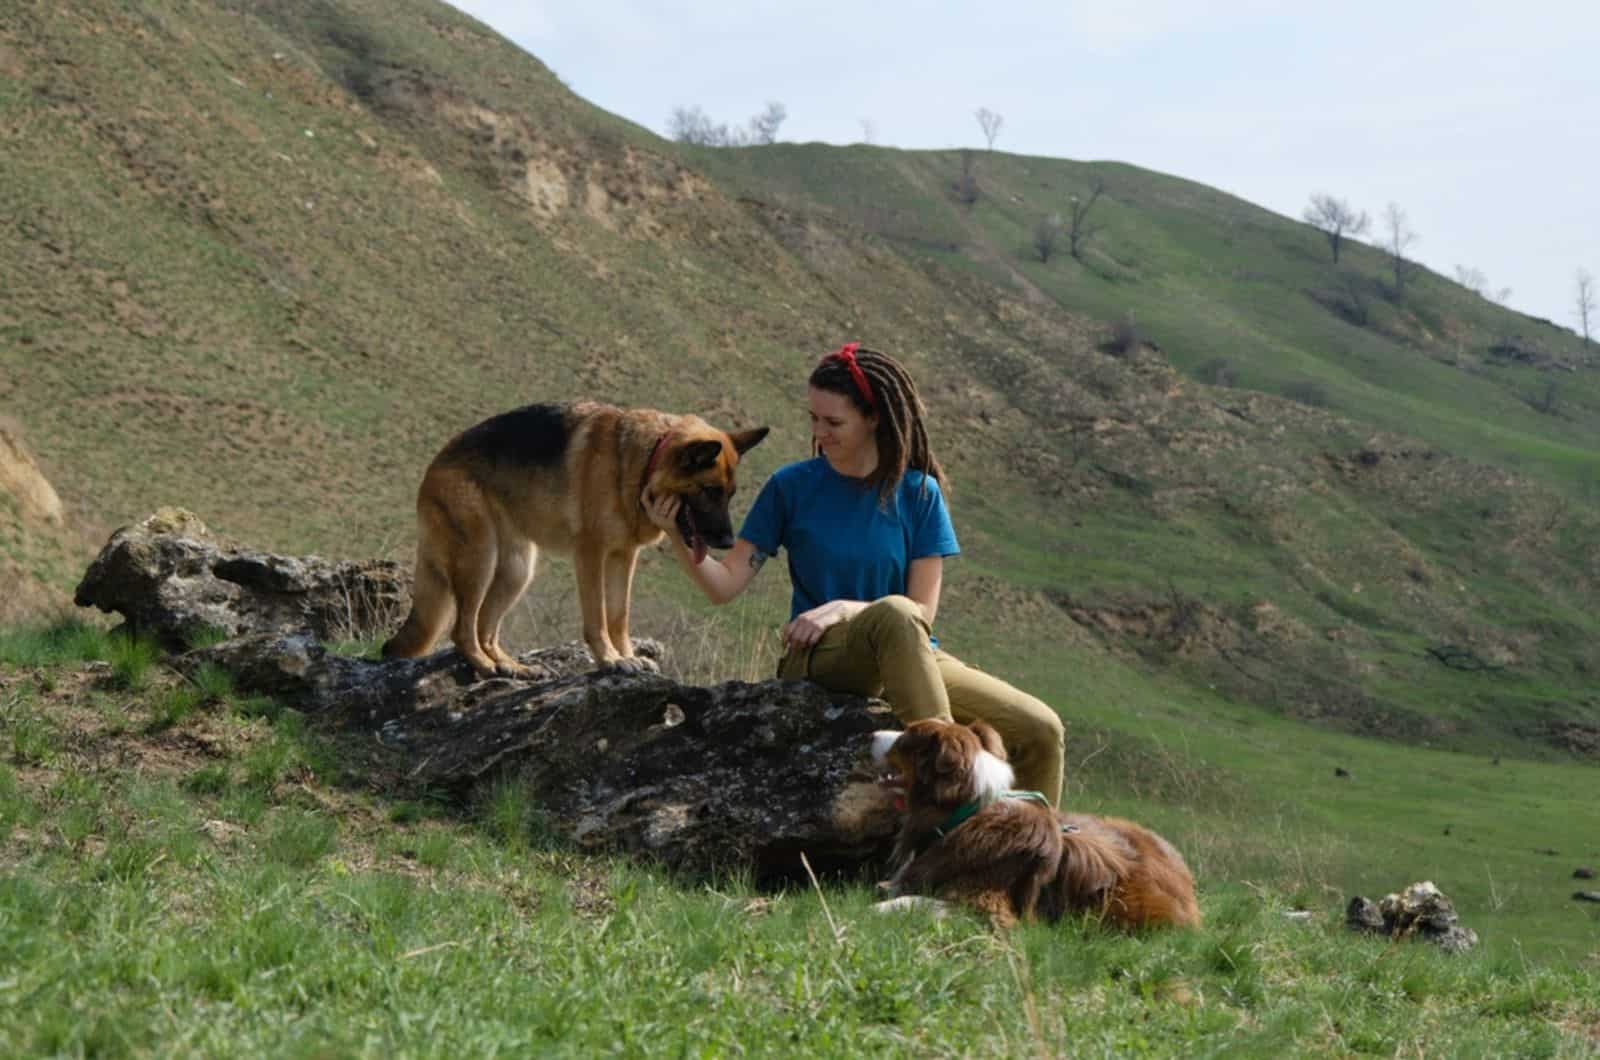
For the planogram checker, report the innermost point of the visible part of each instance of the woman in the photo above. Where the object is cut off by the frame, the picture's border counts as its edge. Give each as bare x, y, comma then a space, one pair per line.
866, 528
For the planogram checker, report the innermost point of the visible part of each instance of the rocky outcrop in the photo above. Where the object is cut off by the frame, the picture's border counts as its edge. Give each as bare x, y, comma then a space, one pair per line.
172, 580
737, 777
1420, 911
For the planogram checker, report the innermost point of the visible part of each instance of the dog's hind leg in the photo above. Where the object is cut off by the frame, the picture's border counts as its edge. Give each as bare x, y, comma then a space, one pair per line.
619, 588
513, 573
472, 571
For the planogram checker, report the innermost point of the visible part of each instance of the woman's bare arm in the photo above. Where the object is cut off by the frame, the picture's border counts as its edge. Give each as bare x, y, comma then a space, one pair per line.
923, 583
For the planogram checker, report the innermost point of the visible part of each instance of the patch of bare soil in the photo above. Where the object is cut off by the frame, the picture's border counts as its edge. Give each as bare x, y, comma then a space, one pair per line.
36, 538
622, 188
21, 478
1177, 624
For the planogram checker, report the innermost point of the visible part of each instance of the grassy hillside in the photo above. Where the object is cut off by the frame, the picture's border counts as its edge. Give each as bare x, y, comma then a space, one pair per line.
1228, 289
189, 872
261, 260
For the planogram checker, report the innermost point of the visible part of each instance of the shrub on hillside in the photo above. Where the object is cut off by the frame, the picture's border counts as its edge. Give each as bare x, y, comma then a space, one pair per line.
1217, 372
1307, 393
1126, 337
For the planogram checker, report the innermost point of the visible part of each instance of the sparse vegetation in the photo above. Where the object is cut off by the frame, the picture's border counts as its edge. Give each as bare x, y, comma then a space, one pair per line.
1475, 281
1583, 297
1079, 230
1398, 239
1307, 392
1046, 232
1218, 372
1547, 399
1336, 219
1125, 337
989, 122
691, 125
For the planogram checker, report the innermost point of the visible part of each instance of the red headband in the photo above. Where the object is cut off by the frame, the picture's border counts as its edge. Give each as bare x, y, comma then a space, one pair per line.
847, 354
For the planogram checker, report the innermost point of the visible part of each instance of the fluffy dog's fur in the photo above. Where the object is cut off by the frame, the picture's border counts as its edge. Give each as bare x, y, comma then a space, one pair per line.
1017, 858
564, 477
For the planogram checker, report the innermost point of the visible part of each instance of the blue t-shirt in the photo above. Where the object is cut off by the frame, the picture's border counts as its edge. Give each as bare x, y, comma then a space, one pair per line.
842, 545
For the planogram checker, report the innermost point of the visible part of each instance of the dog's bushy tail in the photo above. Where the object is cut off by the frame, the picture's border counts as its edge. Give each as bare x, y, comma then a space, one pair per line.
432, 608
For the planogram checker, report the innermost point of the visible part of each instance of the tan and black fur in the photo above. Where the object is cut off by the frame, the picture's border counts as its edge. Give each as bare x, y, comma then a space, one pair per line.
1018, 859
566, 478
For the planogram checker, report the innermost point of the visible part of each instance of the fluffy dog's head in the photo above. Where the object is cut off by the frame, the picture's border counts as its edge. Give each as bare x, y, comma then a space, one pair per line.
940, 764
697, 465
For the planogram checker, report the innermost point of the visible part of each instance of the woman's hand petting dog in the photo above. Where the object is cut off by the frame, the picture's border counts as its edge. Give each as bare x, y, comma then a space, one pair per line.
662, 511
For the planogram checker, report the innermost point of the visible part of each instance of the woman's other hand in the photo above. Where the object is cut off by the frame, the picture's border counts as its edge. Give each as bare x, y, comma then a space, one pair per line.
808, 626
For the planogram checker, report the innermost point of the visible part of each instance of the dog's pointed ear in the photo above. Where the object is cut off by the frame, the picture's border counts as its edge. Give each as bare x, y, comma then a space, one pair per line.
989, 739
744, 441
697, 456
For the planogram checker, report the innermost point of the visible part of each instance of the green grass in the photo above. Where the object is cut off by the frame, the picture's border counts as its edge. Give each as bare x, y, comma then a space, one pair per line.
143, 913
360, 647
62, 642
131, 659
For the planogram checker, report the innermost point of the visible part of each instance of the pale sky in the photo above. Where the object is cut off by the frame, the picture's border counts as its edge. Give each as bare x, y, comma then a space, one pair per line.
1480, 120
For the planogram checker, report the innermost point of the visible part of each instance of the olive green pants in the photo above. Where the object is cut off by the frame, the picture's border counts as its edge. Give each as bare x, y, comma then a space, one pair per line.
884, 651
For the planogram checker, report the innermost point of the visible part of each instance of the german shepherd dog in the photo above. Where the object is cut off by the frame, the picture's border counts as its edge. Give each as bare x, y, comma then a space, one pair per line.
566, 477
968, 838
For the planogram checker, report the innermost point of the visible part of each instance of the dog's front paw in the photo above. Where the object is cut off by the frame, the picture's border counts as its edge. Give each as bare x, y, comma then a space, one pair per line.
512, 668
483, 667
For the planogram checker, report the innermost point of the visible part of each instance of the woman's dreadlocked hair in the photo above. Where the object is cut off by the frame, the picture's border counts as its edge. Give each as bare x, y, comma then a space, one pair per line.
902, 438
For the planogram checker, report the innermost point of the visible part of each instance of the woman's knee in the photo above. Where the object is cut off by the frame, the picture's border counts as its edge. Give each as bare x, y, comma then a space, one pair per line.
1041, 727
893, 614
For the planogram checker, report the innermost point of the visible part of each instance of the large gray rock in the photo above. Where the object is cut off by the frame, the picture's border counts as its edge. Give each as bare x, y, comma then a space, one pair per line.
734, 777
171, 579
738, 777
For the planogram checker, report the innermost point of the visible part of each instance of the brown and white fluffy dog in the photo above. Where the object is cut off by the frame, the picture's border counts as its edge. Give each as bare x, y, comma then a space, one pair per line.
967, 838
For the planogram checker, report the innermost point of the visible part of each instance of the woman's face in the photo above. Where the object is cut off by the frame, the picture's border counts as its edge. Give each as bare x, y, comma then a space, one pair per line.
841, 432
